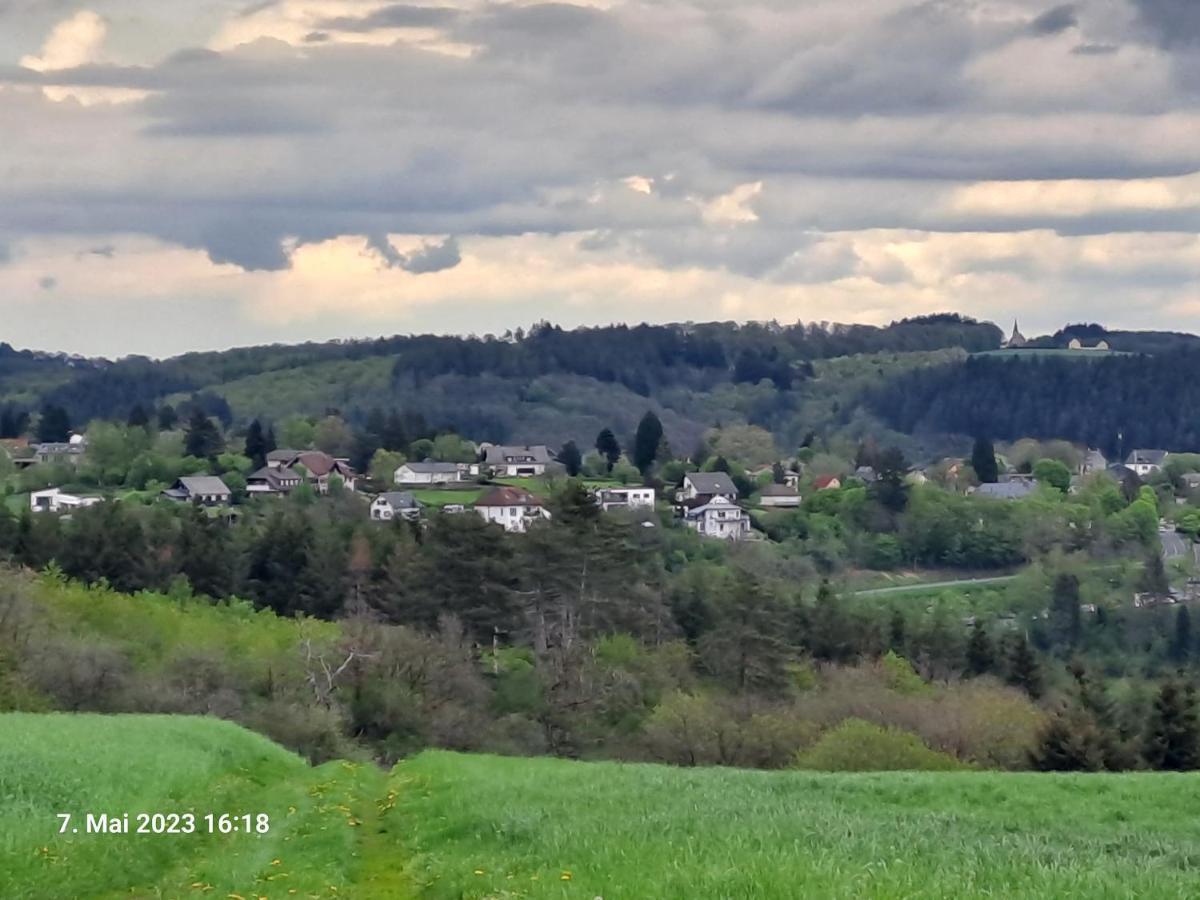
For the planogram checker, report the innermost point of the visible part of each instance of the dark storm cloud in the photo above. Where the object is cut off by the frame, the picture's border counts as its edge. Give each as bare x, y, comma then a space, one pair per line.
431, 257
1055, 21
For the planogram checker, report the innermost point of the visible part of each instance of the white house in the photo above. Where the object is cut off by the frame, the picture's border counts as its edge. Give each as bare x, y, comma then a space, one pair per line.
779, 496
697, 485
513, 508
54, 500
719, 518
625, 498
516, 462
395, 504
430, 473
207, 490
1143, 462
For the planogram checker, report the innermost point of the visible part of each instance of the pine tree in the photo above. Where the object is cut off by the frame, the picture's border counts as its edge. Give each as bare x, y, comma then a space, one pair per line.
201, 437
1154, 576
646, 441
138, 417
983, 461
1173, 734
778, 475
607, 446
1182, 640
981, 655
256, 445
1065, 620
571, 458
897, 637
167, 417
1070, 742
1023, 669
54, 425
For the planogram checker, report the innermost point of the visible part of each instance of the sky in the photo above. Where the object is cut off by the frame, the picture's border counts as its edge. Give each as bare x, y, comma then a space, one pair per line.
178, 176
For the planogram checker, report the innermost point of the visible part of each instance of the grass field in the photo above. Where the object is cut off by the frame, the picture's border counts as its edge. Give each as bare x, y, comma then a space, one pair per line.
489, 827
445, 825
325, 837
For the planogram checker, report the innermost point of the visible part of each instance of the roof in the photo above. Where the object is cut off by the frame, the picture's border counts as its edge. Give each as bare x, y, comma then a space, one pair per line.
1146, 457
282, 455
508, 496
203, 484
715, 503
431, 468
779, 490
1006, 490
400, 500
499, 455
824, 481
711, 483
274, 477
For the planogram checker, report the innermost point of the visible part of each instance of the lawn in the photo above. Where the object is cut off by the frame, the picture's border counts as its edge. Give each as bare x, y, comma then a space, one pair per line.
492, 827
325, 837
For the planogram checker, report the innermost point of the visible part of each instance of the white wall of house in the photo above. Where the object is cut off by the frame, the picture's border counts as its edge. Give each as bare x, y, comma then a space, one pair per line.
626, 498
512, 518
781, 502
54, 500
405, 475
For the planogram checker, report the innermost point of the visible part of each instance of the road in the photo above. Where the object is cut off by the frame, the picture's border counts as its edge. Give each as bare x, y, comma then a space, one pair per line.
1174, 545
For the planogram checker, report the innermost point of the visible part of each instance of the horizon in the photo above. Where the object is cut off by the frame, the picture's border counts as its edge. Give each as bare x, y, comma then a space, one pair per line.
218, 175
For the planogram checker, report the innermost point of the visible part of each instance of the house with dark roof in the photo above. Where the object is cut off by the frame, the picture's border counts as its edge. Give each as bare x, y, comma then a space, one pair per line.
206, 490
319, 468
396, 504
516, 462
513, 508
1143, 462
269, 481
779, 496
704, 486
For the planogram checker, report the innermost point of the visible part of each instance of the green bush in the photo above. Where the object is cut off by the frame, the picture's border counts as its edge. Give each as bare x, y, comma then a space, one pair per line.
858, 746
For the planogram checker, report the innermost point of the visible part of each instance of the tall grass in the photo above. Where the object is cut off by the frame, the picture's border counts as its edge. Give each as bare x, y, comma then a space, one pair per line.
492, 827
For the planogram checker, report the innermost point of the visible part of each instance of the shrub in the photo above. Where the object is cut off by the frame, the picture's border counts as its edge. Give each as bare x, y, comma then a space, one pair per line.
858, 746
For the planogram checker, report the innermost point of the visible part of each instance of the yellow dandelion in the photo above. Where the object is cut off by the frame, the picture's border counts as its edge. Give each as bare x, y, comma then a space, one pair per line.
276, 862
479, 871
565, 876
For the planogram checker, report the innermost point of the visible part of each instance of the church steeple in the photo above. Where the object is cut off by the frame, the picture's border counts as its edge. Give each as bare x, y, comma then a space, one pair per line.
1017, 339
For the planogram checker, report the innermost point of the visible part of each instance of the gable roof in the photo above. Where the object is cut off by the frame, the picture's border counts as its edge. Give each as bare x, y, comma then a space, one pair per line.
498, 455
509, 496
1146, 457
711, 483
203, 484
1006, 490
400, 500
824, 481
718, 503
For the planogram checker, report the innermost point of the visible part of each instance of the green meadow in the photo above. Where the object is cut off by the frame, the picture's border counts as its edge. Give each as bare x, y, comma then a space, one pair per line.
445, 825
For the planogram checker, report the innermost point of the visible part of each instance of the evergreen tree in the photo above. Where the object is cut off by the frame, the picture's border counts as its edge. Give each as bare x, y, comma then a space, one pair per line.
1070, 742
701, 454
897, 638
1065, 621
201, 438
983, 461
1023, 669
1182, 640
607, 446
256, 445
981, 655
646, 441
138, 417
571, 458
54, 425
778, 475
1154, 575
269, 445
1173, 734
167, 417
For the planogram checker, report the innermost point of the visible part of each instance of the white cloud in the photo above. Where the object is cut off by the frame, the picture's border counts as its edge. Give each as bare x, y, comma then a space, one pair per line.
733, 208
75, 42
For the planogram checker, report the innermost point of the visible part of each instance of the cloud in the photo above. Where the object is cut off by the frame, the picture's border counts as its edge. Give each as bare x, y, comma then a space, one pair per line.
73, 42
1173, 23
429, 256
394, 16
1055, 20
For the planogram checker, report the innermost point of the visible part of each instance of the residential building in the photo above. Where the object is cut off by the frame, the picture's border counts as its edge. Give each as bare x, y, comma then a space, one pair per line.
269, 481
1076, 344
429, 472
719, 518
513, 508
1093, 461
866, 474
827, 482
55, 500
206, 490
1143, 462
625, 498
319, 468
64, 452
396, 504
1191, 481
704, 486
1006, 490
516, 462
779, 496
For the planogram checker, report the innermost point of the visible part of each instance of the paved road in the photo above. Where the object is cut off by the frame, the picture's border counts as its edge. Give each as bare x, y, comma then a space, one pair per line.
1174, 545
934, 585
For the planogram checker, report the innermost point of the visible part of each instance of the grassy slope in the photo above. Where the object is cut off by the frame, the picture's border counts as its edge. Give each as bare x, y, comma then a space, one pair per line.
324, 841
491, 827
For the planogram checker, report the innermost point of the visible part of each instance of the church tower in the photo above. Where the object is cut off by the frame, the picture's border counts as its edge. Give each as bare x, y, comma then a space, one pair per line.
1017, 339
